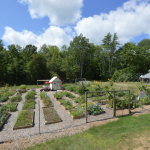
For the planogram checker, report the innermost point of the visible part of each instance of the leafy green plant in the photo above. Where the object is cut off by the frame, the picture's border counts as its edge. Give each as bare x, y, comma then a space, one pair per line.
75, 112
4, 97
88, 104
43, 94
81, 89
30, 95
94, 109
58, 95
16, 98
68, 105
10, 107
68, 94
80, 99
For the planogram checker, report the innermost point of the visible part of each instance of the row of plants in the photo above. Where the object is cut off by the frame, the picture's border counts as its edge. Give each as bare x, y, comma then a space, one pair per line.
91, 108
46, 99
29, 100
3, 115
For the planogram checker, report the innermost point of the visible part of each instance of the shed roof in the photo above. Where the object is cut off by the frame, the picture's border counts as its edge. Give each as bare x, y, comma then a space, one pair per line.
146, 75
52, 79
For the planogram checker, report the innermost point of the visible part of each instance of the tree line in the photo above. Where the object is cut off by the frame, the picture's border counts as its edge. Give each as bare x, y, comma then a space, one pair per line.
81, 59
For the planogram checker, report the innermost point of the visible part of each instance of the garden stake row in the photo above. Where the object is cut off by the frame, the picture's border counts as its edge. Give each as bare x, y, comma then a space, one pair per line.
114, 102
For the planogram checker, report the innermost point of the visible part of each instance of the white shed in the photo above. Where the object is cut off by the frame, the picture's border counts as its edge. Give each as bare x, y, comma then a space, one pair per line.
55, 83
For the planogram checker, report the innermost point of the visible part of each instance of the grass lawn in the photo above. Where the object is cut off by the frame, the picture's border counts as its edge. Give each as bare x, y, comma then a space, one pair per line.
123, 133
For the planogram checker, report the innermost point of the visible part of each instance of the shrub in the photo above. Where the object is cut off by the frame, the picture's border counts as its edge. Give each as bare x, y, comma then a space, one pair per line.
22, 86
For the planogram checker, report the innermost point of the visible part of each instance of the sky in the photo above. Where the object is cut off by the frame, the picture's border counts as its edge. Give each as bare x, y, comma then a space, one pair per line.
57, 22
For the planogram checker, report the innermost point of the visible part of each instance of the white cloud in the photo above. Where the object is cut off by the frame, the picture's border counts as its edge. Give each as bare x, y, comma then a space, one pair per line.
130, 20
60, 12
51, 36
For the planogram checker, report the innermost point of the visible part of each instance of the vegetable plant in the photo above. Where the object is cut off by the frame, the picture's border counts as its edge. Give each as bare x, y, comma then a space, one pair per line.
94, 109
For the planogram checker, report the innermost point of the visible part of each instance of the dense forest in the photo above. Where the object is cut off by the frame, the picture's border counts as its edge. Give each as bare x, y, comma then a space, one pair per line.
80, 60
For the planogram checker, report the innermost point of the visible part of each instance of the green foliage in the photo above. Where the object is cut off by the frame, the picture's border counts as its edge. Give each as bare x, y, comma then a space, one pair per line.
68, 94
81, 89
24, 118
28, 105
94, 109
16, 98
47, 101
68, 105
22, 87
30, 95
75, 112
80, 99
4, 98
58, 95
43, 94
10, 107
83, 105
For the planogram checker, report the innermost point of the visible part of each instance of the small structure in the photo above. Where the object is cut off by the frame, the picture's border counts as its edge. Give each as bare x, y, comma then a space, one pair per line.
145, 77
55, 83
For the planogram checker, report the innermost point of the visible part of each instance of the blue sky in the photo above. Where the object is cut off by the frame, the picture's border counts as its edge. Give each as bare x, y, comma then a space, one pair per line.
56, 22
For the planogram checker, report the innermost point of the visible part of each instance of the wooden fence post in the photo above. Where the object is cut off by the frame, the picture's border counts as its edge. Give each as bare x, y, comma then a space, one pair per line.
114, 106
129, 102
86, 105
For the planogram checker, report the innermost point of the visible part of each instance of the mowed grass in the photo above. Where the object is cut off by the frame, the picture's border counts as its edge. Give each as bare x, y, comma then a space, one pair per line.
114, 135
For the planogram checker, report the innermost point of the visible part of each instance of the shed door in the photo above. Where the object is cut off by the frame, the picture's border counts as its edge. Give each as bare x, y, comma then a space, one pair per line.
54, 86
58, 85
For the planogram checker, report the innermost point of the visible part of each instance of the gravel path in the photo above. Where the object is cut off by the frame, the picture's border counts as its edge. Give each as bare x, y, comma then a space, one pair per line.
67, 124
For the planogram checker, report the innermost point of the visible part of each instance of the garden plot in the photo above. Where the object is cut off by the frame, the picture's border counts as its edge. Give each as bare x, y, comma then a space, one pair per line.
51, 116
24, 120
45, 100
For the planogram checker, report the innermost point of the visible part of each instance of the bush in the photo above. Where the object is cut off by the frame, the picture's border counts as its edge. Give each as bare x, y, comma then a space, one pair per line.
22, 87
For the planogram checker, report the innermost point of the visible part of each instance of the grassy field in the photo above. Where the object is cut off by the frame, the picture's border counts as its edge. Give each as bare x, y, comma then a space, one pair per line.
127, 132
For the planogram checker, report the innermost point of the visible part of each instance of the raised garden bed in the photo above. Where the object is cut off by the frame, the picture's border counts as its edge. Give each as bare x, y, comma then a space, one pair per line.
11, 107
99, 113
45, 106
25, 119
75, 114
16, 98
51, 116
28, 105
61, 101
2, 122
